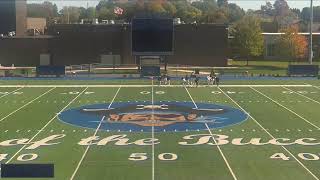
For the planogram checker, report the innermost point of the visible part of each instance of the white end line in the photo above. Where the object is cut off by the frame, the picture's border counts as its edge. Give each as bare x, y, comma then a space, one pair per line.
95, 133
269, 134
286, 108
222, 154
148, 85
44, 126
27, 104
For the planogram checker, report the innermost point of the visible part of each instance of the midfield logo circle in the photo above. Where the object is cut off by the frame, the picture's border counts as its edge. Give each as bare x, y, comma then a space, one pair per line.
164, 116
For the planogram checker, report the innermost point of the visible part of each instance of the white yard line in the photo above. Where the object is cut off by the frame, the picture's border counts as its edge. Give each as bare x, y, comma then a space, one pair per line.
286, 108
11, 92
148, 85
302, 165
45, 126
302, 95
222, 154
2, 119
95, 133
86, 151
152, 130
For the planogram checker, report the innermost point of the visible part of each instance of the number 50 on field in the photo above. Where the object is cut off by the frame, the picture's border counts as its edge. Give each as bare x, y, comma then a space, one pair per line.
144, 156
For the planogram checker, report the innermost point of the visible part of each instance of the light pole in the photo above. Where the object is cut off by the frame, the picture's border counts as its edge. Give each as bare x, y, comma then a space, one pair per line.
310, 33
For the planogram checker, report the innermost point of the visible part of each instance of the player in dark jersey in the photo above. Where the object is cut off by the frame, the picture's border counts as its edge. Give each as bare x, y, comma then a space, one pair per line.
217, 80
196, 81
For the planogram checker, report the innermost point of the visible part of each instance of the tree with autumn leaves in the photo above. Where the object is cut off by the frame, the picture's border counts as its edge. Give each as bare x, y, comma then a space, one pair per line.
291, 44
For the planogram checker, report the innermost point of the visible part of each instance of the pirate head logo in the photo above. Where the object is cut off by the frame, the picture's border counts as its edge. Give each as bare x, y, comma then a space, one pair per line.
154, 115
163, 116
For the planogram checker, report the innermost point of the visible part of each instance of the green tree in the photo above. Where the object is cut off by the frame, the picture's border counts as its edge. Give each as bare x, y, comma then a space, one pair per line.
220, 16
235, 12
155, 7
187, 12
88, 13
205, 6
69, 14
222, 3
281, 10
106, 13
305, 14
248, 39
267, 10
46, 10
170, 9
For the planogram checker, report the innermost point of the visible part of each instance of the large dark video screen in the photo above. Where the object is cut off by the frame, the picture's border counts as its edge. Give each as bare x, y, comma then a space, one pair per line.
7, 16
152, 36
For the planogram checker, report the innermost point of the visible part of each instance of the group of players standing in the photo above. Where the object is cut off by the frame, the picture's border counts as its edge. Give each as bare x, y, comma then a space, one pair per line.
192, 80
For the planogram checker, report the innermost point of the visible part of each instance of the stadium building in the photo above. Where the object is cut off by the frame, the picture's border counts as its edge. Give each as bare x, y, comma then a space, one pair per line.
204, 44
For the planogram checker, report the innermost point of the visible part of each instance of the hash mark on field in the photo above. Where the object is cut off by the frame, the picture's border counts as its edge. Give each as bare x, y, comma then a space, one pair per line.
302, 95
11, 92
27, 104
39, 131
302, 165
286, 108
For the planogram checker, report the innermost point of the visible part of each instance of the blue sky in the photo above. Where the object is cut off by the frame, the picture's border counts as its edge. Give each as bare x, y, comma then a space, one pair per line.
245, 4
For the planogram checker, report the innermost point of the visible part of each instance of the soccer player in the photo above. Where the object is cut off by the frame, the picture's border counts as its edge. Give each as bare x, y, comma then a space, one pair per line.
217, 80
196, 81
209, 80
168, 79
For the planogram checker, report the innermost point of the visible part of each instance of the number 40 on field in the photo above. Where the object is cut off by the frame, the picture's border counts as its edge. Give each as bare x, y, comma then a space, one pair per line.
303, 156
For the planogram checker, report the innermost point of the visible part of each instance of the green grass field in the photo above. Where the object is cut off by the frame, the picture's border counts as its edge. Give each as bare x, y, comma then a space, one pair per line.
273, 144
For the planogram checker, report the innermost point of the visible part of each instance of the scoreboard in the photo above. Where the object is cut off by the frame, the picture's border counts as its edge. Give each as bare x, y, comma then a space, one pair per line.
152, 36
7, 16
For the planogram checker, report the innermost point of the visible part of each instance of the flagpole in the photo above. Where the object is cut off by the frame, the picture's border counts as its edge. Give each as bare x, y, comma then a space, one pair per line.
310, 33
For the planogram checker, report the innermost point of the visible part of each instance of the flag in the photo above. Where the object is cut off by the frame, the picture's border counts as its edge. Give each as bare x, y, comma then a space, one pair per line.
118, 11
